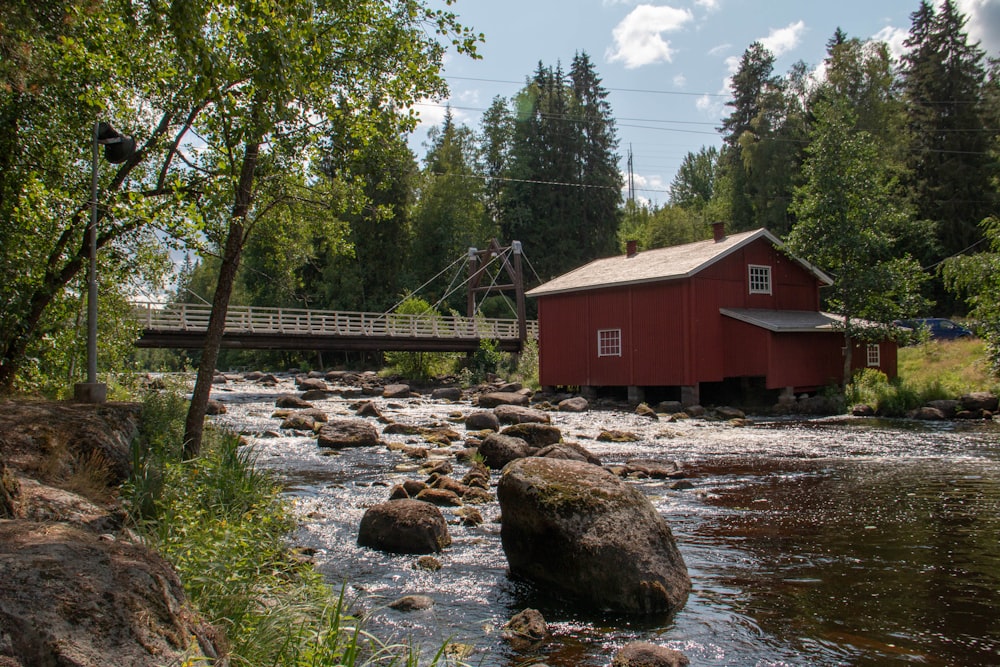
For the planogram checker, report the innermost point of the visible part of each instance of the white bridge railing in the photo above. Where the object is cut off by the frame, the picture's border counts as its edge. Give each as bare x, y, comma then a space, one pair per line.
251, 319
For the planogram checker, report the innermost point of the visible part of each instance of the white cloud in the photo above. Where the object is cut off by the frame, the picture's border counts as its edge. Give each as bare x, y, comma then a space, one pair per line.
647, 188
984, 23
680, 81
894, 38
782, 40
719, 50
638, 38
710, 5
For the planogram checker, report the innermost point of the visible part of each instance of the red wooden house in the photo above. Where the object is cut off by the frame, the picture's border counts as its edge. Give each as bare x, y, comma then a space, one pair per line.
732, 310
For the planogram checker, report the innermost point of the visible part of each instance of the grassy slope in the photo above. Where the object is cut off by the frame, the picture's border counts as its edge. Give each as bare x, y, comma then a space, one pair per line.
957, 366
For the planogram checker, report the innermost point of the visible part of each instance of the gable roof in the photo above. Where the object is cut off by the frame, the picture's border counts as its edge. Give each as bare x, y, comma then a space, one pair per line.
675, 262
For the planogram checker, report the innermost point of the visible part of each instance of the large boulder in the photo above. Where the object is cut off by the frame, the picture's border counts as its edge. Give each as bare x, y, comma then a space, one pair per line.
978, 401
578, 529
574, 404
71, 597
644, 654
342, 433
499, 450
291, 401
312, 384
535, 434
496, 398
404, 527
482, 420
447, 394
396, 391
518, 414
569, 450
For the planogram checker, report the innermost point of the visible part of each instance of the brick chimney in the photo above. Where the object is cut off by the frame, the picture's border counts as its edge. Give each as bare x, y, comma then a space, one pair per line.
719, 231
631, 249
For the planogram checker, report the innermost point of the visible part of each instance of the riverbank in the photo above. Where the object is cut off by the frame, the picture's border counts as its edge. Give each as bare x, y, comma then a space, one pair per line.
78, 586
735, 469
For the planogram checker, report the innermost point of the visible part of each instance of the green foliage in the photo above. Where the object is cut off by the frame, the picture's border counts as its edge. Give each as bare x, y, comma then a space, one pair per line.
418, 365
563, 188
891, 399
485, 361
223, 524
372, 269
950, 164
976, 278
849, 225
450, 215
762, 136
673, 225
526, 371
694, 184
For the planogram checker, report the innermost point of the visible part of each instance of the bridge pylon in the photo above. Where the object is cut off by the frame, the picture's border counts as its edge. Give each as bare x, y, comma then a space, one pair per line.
510, 263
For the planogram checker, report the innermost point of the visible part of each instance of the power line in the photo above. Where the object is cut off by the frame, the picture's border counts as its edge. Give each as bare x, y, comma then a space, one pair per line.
622, 90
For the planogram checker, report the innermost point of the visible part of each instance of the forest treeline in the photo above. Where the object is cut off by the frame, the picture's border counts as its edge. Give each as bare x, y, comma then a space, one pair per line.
292, 184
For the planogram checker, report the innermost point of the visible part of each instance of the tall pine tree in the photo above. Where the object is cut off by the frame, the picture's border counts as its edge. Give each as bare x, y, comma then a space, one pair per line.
563, 187
449, 216
950, 166
754, 87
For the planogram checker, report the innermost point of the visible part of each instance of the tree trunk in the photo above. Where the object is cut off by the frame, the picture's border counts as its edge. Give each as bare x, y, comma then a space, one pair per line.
194, 426
848, 357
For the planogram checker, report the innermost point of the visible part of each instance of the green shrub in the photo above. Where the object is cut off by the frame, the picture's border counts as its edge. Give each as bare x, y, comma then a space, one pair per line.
485, 361
418, 365
526, 371
888, 398
223, 525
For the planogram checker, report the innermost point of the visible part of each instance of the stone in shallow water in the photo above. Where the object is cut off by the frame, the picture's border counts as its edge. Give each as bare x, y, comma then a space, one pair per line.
581, 531
404, 526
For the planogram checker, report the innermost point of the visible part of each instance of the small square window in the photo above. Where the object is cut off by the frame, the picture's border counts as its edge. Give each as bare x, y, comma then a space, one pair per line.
609, 342
760, 279
874, 355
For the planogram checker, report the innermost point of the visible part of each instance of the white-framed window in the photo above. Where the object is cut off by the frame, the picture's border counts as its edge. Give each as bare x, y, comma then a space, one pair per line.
760, 279
609, 342
874, 355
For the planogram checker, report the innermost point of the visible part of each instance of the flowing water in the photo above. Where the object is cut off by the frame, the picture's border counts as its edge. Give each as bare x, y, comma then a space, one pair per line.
825, 542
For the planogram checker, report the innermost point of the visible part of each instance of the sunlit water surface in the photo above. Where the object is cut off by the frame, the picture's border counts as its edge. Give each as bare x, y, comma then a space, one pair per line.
809, 542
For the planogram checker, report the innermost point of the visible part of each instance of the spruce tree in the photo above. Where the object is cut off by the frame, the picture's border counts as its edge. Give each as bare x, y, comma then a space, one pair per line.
449, 216
754, 88
562, 187
949, 163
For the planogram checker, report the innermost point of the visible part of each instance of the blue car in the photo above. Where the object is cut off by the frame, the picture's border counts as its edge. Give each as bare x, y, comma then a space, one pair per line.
938, 328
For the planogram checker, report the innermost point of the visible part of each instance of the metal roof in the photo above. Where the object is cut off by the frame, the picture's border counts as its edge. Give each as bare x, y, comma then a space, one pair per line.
675, 262
787, 321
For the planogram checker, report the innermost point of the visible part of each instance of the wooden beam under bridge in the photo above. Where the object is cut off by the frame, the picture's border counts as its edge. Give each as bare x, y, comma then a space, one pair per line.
195, 340
183, 326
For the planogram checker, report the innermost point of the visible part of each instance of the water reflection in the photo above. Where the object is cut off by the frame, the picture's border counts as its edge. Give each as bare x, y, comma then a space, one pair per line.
824, 542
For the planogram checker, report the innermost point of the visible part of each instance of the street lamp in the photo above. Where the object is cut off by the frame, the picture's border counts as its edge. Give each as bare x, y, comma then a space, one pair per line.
117, 149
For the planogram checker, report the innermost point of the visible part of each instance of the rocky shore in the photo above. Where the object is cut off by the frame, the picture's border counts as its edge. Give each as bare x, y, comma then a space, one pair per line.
76, 585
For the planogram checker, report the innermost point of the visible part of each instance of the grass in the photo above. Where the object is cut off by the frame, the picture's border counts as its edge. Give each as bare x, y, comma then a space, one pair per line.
929, 371
223, 524
958, 367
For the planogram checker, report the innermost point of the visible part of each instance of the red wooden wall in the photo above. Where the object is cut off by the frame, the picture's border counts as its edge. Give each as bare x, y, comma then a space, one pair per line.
673, 334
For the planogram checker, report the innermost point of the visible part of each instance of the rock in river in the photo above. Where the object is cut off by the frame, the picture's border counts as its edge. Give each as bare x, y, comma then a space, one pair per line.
340, 433
404, 527
578, 529
499, 450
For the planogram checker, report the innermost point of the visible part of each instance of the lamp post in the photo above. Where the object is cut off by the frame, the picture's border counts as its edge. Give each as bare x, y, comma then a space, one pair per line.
117, 149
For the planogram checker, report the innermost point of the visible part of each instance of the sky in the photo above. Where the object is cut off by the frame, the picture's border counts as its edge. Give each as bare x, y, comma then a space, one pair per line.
665, 65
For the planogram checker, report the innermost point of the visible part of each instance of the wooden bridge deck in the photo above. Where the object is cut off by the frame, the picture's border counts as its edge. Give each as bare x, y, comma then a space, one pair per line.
183, 326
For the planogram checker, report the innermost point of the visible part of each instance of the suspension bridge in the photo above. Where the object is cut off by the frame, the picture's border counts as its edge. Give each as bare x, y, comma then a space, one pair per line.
184, 325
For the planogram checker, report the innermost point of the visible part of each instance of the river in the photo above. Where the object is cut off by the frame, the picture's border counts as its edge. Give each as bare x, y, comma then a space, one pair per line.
832, 541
